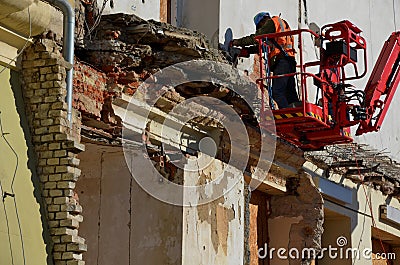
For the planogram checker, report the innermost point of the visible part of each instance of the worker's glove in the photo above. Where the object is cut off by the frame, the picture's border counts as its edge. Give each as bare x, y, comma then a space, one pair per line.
234, 53
233, 43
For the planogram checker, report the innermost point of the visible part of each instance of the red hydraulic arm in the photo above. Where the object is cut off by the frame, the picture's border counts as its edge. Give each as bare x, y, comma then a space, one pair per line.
313, 126
383, 81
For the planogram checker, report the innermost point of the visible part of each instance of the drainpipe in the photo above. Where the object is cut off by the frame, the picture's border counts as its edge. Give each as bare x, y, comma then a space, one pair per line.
68, 45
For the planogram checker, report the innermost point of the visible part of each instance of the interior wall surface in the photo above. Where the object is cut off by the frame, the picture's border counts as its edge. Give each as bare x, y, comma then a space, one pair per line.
335, 226
123, 224
202, 16
213, 232
279, 237
22, 234
146, 9
358, 225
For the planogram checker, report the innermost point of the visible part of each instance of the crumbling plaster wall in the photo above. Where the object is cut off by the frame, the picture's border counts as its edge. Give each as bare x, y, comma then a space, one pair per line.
125, 225
213, 233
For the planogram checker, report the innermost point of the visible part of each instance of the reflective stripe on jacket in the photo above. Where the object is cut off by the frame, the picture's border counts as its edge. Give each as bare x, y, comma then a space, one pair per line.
286, 42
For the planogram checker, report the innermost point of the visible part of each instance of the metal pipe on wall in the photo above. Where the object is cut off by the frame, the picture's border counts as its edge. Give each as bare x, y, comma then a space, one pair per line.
68, 45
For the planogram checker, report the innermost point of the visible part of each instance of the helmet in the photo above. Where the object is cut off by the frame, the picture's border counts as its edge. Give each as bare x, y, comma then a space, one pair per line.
260, 16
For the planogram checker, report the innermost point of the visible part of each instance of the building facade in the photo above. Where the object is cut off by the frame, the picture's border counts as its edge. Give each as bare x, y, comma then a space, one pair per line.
76, 187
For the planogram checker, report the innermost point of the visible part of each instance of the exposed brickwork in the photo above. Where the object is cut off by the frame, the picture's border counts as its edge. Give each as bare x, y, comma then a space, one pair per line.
56, 146
255, 74
305, 201
89, 89
93, 94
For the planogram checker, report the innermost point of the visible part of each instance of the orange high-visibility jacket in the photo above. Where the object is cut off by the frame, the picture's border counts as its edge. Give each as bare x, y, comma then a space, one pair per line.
286, 42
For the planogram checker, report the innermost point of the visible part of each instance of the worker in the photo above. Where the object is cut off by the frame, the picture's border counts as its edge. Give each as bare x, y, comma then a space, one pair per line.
281, 57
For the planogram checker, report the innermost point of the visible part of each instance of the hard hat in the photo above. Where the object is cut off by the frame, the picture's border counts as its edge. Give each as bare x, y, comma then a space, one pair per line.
260, 16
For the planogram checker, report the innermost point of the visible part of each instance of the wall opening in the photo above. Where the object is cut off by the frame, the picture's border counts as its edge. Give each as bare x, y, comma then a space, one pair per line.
122, 223
335, 226
385, 247
258, 225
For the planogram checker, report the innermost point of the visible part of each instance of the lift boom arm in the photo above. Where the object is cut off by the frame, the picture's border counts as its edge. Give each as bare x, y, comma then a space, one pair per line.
383, 83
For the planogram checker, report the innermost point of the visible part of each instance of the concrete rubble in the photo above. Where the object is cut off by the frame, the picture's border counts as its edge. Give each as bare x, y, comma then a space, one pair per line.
121, 54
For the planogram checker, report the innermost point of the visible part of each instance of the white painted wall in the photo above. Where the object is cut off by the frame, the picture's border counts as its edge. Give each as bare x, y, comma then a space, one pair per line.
201, 16
146, 9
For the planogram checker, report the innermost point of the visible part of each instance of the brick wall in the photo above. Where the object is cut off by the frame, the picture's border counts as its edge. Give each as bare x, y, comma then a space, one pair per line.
56, 145
89, 89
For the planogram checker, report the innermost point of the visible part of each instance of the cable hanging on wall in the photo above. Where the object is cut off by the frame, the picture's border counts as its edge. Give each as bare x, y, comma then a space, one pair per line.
394, 15
8, 225
5, 194
312, 26
11, 194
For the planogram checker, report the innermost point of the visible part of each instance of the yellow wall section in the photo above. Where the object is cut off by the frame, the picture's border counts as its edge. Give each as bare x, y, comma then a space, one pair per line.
24, 188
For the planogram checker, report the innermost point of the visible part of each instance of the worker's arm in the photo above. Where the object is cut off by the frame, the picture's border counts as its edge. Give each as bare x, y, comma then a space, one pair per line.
268, 27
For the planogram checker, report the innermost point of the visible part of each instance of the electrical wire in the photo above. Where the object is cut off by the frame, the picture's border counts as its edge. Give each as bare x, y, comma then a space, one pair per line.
347, 207
394, 16
4, 195
7, 66
306, 21
98, 18
268, 72
8, 226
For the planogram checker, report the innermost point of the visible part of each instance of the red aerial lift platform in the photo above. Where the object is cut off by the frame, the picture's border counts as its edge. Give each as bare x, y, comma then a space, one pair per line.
313, 126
